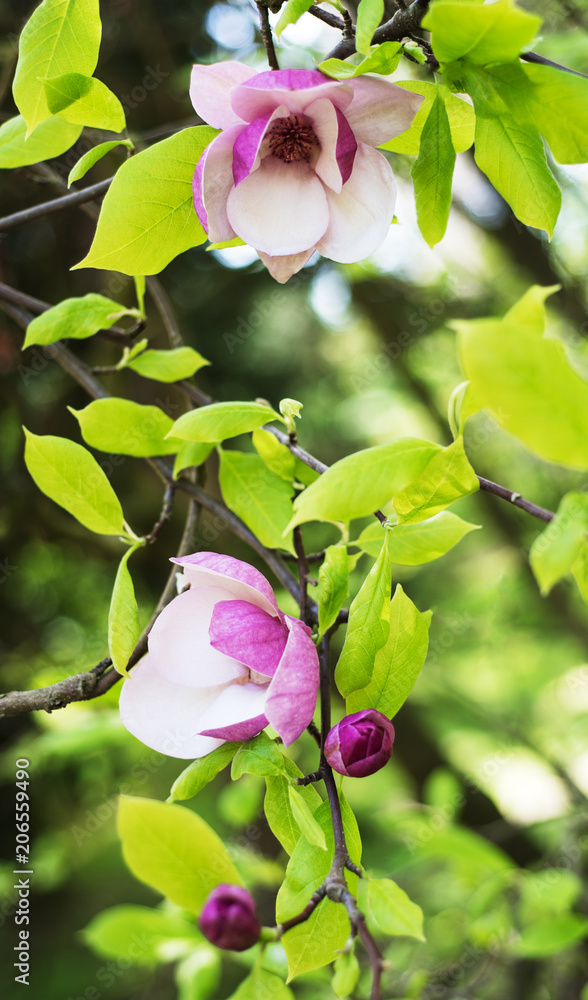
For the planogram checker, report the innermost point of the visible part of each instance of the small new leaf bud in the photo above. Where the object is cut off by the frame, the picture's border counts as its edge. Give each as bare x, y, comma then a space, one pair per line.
360, 744
229, 918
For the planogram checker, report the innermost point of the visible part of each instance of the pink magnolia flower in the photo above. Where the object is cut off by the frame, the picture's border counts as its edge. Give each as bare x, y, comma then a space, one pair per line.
295, 168
223, 662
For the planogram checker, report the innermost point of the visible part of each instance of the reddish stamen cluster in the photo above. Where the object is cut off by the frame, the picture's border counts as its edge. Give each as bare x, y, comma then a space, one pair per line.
292, 139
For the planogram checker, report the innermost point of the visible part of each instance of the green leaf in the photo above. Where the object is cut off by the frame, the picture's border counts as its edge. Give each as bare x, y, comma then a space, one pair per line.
62, 36
346, 974
550, 937
173, 850
191, 453
432, 173
259, 755
222, 420
580, 573
83, 100
71, 476
368, 626
168, 366
50, 138
89, 159
555, 103
513, 158
556, 549
414, 544
369, 16
462, 120
262, 985
529, 386
547, 893
275, 455
383, 59
392, 911
278, 808
198, 976
123, 427
75, 319
361, 483
304, 818
201, 771
482, 34
147, 216
399, 662
446, 478
529, 312
139, 931
123, 617
258, 496
334, 585
304, 474
316, 942
290, 13
462, 404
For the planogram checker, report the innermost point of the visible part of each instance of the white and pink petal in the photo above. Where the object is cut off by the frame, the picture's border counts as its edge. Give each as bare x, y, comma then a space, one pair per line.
165, 716
210, 91
336, 141
238, 713
291, 697
244, 582
179, 644
380, 110
361, 215
282, 268
213, 180
247, 633
296, 88
280, 209
247, 145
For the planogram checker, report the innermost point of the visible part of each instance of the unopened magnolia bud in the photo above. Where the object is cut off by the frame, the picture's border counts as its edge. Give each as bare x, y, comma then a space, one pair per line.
360, 744
229, 918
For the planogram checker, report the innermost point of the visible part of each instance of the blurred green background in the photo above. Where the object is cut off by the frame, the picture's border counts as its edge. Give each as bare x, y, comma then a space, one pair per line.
481, 815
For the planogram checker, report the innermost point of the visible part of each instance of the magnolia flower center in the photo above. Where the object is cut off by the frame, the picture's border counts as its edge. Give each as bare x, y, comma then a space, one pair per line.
292, 139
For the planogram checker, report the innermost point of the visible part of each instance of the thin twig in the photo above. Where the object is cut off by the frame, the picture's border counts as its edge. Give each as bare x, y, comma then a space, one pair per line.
163, 305
166, 513
308, 910
302, 574
38, 306
533, 57
485, 484
516, 499
266, 34
101, 678
55, 205
327, 18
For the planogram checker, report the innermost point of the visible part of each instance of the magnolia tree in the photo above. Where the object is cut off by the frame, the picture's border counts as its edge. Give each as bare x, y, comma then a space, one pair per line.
292, 162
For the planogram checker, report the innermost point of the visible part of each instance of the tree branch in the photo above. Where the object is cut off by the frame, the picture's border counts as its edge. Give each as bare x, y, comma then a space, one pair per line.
37, 306
55, 205
516, 499
302, 574
308, 910
327, 18
266, 34
485, 484
404, 23
533, 57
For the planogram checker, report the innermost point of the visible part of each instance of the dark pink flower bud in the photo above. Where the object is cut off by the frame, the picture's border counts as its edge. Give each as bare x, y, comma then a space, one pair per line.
229, 918
360, 744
